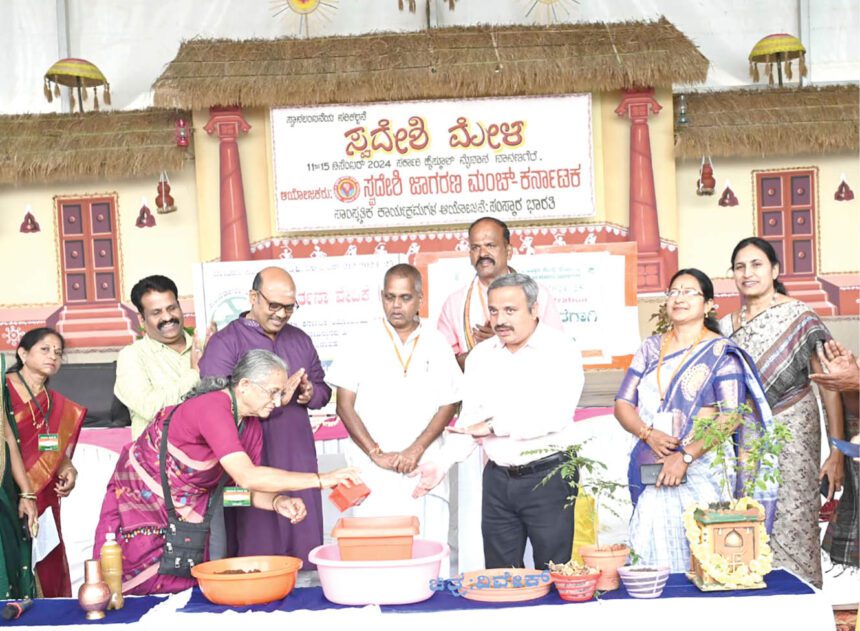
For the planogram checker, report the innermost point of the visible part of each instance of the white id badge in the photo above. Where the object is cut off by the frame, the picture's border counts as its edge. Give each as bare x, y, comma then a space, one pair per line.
664, 421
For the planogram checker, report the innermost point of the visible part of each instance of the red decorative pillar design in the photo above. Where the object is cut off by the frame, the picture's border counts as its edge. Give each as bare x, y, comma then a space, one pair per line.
229, 123
644, 227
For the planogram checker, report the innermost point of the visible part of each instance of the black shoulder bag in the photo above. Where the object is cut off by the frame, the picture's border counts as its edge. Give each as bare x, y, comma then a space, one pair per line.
184, 542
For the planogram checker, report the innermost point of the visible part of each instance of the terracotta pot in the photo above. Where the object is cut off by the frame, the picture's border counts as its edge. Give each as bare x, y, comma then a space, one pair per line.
607, 559
575, 589
94, 594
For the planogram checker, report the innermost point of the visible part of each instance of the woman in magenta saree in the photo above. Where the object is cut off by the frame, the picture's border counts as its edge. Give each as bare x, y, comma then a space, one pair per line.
48, 425
216, 429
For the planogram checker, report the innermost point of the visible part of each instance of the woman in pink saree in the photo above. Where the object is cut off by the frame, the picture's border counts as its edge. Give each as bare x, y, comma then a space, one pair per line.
216, 429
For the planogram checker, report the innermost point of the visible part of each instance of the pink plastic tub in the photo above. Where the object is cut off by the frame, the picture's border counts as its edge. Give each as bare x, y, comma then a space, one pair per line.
379, 582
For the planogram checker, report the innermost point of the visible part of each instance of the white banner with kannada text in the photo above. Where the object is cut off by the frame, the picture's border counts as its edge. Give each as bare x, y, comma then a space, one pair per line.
425, 163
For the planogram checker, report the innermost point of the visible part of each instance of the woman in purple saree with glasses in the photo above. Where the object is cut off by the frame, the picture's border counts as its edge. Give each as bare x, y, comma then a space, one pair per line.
690, 371
215, 429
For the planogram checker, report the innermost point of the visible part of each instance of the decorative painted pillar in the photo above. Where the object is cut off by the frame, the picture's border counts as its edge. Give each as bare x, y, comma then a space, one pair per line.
229, 123
644, 227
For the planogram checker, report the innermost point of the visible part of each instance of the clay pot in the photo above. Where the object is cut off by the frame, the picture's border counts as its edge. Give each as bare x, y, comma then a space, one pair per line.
607, 559
94, 594
575, 589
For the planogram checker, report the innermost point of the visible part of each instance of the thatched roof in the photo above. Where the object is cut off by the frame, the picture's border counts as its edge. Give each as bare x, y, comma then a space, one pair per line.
51, 147
437, 63
771, 121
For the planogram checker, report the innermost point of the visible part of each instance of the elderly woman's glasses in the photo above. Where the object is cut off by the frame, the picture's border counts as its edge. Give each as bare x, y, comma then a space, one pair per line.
275, 395
274, 307
686, 293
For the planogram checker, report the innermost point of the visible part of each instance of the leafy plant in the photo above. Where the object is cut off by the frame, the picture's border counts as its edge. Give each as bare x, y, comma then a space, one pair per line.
762, 446
571, 470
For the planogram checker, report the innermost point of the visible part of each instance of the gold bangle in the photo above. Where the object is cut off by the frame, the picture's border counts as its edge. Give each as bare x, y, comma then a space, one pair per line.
27, 496
375, 451
275, 499
319, 481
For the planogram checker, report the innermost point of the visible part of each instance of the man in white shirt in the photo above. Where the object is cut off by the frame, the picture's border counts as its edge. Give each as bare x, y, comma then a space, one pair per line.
520, 395
398, 386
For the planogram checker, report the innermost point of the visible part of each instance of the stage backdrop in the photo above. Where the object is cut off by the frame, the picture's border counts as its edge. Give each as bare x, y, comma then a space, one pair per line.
594, 288
423, 163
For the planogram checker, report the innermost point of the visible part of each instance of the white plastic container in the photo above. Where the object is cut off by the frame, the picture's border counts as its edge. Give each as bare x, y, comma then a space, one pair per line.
379, 582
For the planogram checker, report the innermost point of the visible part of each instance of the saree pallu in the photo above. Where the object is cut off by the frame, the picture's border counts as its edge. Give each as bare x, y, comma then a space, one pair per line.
135, 511
16, 573
66, 419
782, 341
717, 372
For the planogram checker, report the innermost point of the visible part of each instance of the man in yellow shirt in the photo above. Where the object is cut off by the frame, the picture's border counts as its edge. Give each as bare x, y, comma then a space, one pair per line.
156, 370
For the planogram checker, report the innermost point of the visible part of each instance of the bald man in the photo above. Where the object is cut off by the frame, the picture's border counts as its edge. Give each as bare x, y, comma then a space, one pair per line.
288, 441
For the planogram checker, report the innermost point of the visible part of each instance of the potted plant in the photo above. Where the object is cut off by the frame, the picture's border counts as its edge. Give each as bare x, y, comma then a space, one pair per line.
728, 540
642, 581
574, 581
585, 477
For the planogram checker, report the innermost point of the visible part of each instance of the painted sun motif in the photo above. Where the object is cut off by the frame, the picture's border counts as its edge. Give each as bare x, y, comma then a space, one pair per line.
300, 13
549, 11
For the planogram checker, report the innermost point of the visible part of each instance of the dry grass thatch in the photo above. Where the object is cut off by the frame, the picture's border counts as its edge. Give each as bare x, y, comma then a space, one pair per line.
51, 147
781, 121
438, 63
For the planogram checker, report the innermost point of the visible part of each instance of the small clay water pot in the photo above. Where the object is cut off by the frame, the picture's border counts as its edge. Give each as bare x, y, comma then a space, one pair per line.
94, 594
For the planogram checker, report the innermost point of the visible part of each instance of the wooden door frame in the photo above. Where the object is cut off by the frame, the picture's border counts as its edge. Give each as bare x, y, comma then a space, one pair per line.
86, 201
812, 171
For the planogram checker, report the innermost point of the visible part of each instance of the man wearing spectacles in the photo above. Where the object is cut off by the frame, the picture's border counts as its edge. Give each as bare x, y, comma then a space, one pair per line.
288, 441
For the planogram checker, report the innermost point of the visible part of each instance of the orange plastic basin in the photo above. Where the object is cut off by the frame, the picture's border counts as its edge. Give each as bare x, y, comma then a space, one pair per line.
275, 579
375, 538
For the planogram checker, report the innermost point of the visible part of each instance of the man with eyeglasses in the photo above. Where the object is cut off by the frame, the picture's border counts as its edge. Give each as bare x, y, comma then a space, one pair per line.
398, 387
288, 441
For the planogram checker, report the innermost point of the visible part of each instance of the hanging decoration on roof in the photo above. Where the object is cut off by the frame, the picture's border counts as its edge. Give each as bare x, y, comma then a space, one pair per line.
777, 50
299, 13
144, 217
79, 75
707, 182
728, 198
843, 191
163, 200
29, 224
549, 11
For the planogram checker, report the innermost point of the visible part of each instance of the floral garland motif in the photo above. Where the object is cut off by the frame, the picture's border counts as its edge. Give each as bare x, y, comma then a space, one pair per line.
716, 565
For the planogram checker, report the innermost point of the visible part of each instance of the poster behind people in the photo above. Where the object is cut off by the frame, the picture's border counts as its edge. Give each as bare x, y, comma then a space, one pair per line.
593, 287
421, 163
336, 294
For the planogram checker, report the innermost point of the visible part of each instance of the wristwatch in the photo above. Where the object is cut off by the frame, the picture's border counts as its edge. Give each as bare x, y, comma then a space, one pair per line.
687, 458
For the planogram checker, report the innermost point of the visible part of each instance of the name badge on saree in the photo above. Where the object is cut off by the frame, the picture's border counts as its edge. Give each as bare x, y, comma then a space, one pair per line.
49, 442
236, 496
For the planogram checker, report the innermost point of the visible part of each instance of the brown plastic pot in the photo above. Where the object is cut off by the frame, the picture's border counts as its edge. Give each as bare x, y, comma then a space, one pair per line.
607, 559
375, 538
